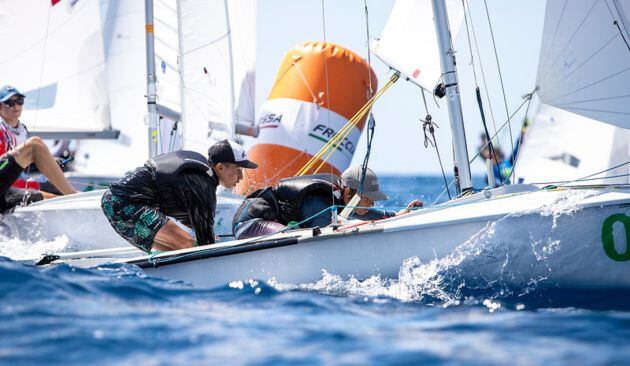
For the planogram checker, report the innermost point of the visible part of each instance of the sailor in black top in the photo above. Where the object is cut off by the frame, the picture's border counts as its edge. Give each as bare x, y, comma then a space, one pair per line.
182, 185
297, 199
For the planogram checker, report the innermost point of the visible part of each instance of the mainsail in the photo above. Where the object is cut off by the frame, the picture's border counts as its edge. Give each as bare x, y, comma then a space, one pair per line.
409, 43
217, 48
584, 62
55, 55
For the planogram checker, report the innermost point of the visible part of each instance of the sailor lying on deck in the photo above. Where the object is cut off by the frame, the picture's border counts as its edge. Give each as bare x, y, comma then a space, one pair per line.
296, 199
180, 184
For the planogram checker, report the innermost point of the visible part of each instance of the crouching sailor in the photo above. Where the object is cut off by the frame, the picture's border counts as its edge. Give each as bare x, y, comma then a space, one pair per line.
305, 200
182, 185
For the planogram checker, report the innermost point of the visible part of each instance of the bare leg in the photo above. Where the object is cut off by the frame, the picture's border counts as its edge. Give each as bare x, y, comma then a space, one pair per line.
172, 237
35, 151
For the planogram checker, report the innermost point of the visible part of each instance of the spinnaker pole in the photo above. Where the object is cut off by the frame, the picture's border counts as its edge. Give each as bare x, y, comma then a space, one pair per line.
151, 79
449, 76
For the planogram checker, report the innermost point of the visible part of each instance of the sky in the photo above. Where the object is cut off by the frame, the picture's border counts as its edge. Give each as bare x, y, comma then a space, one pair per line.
398, 143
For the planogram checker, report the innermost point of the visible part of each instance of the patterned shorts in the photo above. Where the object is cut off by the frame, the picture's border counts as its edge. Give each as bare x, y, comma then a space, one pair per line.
137, 223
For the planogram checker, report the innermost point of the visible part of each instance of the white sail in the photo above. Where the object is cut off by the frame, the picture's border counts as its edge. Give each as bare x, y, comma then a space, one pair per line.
563, 146
125, 60
584, 62
54, 54
409, 43
126, 80
217, 47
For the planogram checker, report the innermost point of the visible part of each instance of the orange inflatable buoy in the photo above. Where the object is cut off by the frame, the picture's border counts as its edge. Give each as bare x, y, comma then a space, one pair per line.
319, 87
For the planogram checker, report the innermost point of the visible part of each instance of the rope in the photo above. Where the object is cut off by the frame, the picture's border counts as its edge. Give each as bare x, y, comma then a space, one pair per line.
328, 149
366, 159
483, 75
563, 183
496, 56
485, 128
527, 98
428, 124
310, 90
367, 45
621, 33
514, 157
604, 171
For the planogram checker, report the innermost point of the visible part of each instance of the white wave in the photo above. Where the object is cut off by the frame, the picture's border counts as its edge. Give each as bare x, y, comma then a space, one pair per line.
18, 249
510, 256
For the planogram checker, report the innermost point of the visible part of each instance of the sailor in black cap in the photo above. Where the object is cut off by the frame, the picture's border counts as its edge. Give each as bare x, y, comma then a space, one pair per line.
181, 185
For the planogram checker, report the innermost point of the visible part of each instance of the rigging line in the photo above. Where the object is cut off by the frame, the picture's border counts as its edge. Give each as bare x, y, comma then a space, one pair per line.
494, 46
472, 61
442, 194
308, 86
563, 183
427, 123
369, 58
327, 80
615, 22
529, 96
41, 69
519, 142
621, 33
483, 76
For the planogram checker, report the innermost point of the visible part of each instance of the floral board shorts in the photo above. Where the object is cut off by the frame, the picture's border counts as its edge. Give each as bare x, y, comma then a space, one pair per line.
136, 223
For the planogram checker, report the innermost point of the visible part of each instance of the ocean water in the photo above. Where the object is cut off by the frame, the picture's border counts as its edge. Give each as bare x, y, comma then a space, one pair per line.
433, 314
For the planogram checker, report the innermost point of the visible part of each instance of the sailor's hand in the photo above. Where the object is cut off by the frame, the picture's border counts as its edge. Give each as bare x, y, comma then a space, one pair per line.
413, 204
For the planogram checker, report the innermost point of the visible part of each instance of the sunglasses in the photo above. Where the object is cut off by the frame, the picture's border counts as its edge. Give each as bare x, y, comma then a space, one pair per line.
12, 102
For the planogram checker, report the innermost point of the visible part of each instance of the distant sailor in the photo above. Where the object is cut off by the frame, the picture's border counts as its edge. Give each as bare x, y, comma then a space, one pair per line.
306, 199
180, 184
18, 152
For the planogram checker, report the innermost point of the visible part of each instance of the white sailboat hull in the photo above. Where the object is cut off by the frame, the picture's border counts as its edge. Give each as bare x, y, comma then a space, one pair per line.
550, 237
80, 219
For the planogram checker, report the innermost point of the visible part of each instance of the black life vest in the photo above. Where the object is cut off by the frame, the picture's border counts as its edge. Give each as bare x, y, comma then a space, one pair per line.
186, 191
292, 191
282, 203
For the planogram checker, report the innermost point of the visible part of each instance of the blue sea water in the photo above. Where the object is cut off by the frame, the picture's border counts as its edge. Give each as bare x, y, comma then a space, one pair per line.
116, 315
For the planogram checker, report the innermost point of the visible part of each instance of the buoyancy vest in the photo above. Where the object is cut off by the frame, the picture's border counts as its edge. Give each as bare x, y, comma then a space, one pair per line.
186, 191
292, 191
282, 203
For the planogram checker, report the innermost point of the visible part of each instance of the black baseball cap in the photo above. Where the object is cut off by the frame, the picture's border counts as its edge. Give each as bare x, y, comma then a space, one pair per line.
229, 152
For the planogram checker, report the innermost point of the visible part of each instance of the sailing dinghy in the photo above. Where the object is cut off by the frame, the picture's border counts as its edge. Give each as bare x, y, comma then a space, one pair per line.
568, 236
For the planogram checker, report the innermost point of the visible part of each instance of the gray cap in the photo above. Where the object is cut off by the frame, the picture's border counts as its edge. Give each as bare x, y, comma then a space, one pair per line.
351, 178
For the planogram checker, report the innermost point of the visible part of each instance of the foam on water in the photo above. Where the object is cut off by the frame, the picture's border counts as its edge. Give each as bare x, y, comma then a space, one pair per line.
18, 249
514, 258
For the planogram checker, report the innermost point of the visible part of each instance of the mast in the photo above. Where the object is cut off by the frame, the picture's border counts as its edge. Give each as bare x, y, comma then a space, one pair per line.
151, 79
182, 79
447, 63
233, 121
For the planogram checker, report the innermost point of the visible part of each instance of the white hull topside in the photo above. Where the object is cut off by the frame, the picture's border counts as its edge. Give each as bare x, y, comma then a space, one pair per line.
518, 234
80, 219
